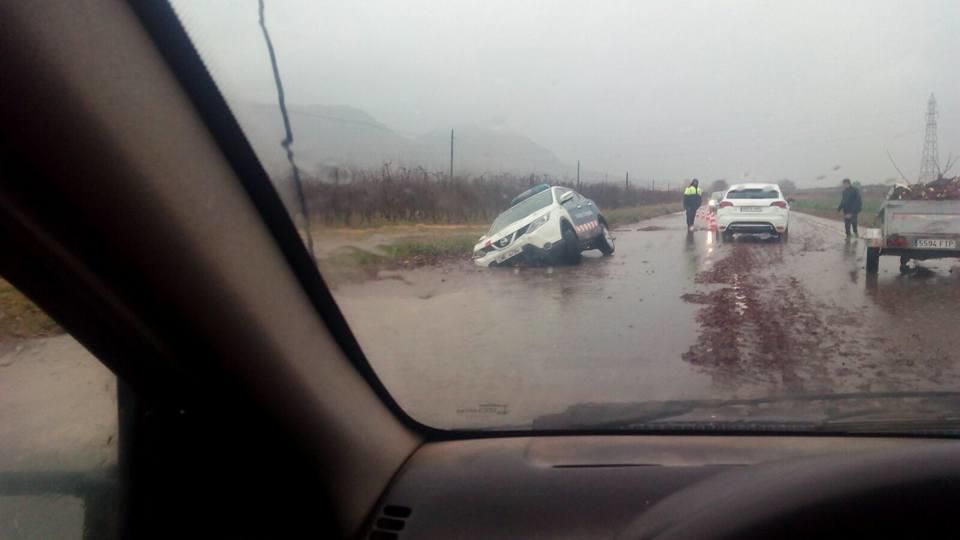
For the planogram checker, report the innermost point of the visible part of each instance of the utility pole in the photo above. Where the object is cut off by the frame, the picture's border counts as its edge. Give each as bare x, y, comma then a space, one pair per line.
929, 168
653, 185
626, 184
451, 154
578, 175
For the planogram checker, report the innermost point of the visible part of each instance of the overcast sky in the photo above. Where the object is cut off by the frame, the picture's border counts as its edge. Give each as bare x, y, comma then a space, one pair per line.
671, 89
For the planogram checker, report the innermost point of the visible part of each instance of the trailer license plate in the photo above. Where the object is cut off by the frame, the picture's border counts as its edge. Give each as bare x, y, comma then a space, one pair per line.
936, 243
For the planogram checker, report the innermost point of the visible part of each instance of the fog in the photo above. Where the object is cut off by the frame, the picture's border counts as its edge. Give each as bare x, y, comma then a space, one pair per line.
666, 90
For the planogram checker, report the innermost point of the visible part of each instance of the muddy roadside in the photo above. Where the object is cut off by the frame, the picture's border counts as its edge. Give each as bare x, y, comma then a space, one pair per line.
757, 330
351, 255
801, 318
357, 256
21, 319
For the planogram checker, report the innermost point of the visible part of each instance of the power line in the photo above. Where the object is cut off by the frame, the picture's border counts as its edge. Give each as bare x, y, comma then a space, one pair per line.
287, 141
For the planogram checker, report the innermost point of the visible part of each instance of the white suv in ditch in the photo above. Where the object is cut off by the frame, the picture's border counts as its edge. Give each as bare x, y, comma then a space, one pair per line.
544, 225
753, 209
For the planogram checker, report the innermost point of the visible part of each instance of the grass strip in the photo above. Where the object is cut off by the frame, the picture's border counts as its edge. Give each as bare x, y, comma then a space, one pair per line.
21, 318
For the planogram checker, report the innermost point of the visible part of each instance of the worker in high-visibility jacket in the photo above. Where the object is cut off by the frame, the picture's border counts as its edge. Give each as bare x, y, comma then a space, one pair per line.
692, 199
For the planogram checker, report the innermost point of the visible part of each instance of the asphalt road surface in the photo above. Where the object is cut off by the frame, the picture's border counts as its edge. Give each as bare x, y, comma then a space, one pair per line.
669, 316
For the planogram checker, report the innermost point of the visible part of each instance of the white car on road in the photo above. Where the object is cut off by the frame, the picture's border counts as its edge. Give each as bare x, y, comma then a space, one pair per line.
753, 209
544, 224
714, 200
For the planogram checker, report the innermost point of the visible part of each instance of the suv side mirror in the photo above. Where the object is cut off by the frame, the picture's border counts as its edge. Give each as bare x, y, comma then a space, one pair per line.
568, 196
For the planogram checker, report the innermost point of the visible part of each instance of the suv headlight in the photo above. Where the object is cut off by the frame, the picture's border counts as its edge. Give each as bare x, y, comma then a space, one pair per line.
537, 223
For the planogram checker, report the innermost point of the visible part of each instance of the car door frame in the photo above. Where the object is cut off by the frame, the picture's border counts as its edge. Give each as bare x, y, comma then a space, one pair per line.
594, 216
581, 214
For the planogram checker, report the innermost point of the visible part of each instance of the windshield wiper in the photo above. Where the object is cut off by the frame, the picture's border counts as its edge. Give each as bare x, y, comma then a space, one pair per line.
821, 412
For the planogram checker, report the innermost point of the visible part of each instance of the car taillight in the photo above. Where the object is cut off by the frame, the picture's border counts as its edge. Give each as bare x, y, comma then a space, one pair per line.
897, 241
725, 204
779, 204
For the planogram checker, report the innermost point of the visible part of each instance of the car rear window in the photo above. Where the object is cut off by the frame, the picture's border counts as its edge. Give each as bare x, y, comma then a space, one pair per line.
751, 193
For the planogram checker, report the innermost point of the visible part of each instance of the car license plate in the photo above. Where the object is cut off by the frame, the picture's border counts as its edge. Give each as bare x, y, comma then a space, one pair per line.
511, 253
935, 243
751, 208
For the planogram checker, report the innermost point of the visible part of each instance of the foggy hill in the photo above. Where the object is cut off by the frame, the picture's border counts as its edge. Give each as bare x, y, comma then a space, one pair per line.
479, 150
323, 135
348, 137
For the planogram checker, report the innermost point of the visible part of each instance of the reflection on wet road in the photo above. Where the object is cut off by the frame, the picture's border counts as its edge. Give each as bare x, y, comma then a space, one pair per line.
671, 315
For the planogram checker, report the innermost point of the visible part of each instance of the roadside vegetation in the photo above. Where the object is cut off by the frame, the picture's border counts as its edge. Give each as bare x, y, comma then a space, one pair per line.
338, 197
20, 318
823, 203
352, 263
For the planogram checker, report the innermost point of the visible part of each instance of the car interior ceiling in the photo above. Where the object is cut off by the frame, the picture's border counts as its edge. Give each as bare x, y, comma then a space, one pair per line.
135, 212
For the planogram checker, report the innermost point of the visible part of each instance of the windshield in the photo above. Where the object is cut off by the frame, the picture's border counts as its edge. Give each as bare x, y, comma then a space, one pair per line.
753, 193
398, 133
522, 209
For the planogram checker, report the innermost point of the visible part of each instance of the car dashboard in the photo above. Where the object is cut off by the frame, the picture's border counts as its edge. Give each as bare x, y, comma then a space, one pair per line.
570, 486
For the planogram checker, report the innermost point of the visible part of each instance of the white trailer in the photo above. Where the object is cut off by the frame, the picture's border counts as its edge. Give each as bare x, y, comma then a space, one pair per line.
917, 230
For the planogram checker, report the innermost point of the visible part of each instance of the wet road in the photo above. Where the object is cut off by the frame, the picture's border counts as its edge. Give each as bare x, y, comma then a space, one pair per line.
669, 316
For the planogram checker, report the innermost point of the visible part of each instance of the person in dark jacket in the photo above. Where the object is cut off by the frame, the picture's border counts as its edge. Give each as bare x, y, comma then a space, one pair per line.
850, 205
692, 199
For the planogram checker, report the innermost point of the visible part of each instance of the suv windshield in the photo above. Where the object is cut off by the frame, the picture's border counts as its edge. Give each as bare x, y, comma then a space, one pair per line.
522, 209
398, 133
